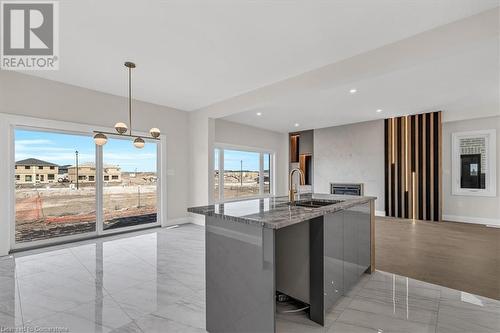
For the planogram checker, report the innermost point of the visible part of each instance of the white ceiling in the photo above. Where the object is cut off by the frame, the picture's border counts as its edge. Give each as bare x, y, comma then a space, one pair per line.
454, 68
191, 54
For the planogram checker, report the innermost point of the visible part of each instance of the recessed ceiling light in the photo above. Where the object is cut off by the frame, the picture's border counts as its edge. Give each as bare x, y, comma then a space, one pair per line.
259, 113
296, 125
353, 91
379, 110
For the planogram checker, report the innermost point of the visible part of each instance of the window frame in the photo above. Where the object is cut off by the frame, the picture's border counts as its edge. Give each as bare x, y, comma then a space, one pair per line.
221, 147
38, 124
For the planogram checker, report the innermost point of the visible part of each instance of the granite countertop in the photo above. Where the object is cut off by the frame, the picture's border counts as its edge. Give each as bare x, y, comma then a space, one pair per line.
275, 212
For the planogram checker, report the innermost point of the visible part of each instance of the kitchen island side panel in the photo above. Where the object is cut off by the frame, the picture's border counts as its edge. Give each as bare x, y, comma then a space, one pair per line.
240, 277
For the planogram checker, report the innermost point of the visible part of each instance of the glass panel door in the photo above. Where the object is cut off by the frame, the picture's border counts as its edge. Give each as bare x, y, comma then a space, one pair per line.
130, 189
51, 202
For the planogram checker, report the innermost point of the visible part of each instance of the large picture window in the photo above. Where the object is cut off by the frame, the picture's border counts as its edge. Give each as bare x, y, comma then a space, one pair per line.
63, 189
49, 200
241, 174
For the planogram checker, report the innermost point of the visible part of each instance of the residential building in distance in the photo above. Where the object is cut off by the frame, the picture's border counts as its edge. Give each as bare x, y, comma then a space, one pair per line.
63, 169
87, 172
33, 171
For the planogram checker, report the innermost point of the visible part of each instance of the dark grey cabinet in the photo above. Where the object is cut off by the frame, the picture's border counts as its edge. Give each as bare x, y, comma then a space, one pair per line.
333, 258
347, 250
363, 236
351, 245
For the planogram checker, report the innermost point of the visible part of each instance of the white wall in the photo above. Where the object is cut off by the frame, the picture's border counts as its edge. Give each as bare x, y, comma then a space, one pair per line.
242, 135
351, 153
200, 144
485, 210
35, 97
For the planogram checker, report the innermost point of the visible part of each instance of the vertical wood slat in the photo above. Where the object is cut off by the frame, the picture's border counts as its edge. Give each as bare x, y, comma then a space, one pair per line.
420, 167
386, 167
431, 163
399, 166
428, 166
407, 167
392, 168
424, 166
403, 168
413, 165
440, 166
417, 163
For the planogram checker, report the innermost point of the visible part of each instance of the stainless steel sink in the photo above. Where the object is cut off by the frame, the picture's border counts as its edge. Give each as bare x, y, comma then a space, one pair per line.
315, 203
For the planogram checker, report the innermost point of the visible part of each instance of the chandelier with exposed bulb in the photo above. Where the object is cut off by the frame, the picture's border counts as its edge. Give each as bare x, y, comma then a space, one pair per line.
121, 128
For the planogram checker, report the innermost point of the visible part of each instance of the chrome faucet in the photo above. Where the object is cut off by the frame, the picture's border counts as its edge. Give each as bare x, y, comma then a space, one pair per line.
291, 190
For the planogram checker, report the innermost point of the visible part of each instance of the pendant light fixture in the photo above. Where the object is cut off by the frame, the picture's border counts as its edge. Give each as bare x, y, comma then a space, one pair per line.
121, 128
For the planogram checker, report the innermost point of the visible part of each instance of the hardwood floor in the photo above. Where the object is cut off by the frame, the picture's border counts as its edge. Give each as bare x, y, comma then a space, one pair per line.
456, 255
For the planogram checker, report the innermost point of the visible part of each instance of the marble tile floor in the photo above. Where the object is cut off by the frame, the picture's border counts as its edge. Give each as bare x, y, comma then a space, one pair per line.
153, 281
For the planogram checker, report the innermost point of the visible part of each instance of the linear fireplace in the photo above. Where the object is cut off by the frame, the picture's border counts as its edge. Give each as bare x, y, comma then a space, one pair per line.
346, 189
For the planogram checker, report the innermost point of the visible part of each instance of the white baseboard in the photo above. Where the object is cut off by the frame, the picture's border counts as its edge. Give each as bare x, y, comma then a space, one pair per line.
470, 219
180, 220
380, 213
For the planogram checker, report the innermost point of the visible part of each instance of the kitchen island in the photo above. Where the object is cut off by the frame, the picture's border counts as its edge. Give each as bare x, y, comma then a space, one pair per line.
313, 251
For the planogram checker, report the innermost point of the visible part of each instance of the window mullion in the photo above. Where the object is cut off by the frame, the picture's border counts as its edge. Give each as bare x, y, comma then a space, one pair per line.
221, 175
99, 189
261, 174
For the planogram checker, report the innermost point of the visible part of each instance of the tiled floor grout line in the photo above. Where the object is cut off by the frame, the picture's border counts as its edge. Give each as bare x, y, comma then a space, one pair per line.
118, 303
61, 311
19, 295
152, 314
437, 313
102, 286
163, 273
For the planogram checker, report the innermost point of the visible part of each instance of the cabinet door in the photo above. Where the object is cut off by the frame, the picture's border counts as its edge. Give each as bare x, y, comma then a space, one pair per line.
333, 258
364, 239
351, 268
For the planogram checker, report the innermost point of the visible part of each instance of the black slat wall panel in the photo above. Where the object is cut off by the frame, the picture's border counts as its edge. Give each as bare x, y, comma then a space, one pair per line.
386, 163
399, 166
413, 165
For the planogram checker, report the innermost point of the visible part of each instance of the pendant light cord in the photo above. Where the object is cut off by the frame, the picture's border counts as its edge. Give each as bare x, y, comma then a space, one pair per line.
130, 99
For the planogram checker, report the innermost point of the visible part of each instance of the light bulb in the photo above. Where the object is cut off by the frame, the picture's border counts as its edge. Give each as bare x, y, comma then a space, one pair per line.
139, 143
155, 132
100, 139
121, 128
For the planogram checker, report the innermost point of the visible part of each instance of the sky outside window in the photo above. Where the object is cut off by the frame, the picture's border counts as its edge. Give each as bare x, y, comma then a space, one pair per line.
60, 149
233, 158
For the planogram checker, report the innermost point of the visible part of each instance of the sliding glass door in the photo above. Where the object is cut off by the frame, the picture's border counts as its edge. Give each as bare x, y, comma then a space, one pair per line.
130, 184
67, 188
50, 201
